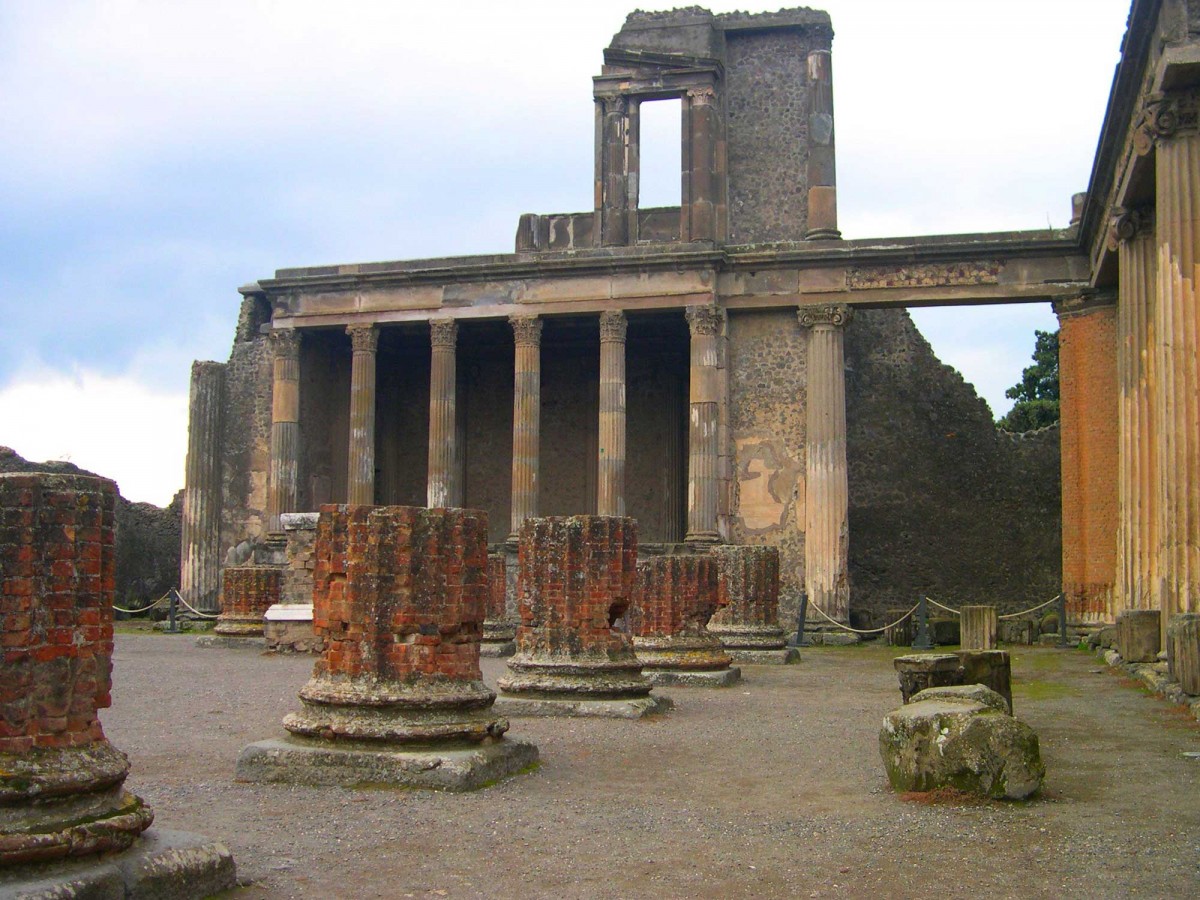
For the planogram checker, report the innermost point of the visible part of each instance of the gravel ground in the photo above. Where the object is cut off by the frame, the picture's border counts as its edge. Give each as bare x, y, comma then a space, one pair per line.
773, 788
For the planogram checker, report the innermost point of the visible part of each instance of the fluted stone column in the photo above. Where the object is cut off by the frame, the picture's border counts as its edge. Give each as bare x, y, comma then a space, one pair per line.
611, 455
283, 477
612, 171
701, 203
1137, 527
445, 487
826, 532
200, 550
705, 323
364, 340
1175, 125
822, 179
527, 405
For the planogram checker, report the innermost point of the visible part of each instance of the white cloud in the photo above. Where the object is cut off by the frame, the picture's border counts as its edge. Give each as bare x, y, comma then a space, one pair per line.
118, 427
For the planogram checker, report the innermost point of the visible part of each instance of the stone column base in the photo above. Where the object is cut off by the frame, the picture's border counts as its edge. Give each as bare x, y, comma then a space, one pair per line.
239, 626
631, 708
161, 863
784, 656
361, 764
232, 642
497, 649
694, 678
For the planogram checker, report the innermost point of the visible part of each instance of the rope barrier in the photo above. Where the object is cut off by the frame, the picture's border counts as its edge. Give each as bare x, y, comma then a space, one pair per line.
193, 609
1031, 609
861, 630
943, 606
144, 608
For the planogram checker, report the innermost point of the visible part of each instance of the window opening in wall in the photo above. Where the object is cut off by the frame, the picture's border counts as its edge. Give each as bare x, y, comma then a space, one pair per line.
661, 154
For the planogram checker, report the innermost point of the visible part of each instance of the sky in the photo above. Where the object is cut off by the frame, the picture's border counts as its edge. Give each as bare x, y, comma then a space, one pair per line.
159, 154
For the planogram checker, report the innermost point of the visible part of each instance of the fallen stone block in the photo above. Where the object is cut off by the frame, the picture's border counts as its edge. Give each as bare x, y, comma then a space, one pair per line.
957, 742
1139, 638
968, 693
1183, 651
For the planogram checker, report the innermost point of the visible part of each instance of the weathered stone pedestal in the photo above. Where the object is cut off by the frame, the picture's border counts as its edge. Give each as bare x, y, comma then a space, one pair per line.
499, 631
978, 627
747, 621
676, 596
61, 781
922, 671
1183, 651
577, 577
288, 628
1139, 637
247, 592
397, 697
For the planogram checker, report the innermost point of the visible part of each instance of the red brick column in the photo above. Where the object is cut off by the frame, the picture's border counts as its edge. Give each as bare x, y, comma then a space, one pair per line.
577, 577
1087, 372
247, 592
498, 628
748, 590
60, 779
675, 598
399, 596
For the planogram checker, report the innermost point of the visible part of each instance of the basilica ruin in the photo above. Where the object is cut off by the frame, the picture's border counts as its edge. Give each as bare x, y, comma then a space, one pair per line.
732, 371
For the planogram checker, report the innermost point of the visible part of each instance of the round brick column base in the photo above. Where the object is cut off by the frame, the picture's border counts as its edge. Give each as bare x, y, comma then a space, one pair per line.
682, 651
749, 637
239, 626
575, 677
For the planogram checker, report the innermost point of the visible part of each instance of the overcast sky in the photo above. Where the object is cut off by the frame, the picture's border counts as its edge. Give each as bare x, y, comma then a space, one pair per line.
156, 155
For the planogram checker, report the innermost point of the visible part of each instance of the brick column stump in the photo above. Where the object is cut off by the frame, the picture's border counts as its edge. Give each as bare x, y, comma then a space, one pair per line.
676, 596
397, 696
979, 625
62, 797
247, 592
747, 618
499, 630
576, 580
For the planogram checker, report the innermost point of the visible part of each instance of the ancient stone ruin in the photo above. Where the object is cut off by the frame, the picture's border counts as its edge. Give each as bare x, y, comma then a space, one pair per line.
499, 628
747, 618
577, 578
397, 696
61, 781
676, 596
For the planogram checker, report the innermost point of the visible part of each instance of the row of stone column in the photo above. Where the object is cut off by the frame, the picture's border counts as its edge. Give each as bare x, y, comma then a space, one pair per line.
1158, 340
826, 536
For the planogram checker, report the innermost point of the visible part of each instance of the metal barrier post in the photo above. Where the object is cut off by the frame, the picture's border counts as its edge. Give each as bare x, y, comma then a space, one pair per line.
1062, 621
801, 616
922, 641
171, 615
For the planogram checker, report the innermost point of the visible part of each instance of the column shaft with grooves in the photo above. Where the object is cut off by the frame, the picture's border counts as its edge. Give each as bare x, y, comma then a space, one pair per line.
283, 476
701, 211
822, 180
1177, 225
200, 550
611, 455
364, 340
527, 404
703, 439
826, 519
444, 488
1137, 501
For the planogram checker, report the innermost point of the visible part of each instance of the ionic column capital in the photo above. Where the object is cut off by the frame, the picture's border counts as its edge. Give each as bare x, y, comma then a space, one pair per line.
443, 333
285, 343
613, 326
834, 315
1129, 224
527, 330
1166, 116
704, 320
364, 338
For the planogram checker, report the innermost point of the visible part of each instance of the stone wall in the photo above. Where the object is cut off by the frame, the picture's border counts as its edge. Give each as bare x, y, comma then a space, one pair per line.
941, 502
147, 542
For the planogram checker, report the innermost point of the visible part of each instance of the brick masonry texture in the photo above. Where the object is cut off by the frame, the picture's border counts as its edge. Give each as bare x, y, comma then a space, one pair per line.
57, 556
496, 586
247, 592
400, 592
676, 595
747, 587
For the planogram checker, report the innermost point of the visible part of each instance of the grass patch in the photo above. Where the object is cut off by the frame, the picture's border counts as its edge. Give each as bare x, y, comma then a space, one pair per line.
1039, 689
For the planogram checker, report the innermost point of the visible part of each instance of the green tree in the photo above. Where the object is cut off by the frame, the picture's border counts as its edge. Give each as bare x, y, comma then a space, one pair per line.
1036, 395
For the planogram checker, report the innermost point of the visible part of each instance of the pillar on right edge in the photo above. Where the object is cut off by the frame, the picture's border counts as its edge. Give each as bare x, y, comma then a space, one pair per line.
826, 520
1174, 122
1088, 407
822, 175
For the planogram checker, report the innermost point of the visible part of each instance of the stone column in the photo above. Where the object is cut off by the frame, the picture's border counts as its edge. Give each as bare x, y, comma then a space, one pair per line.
822, 180
61, 791
611, 452
445, 485
826, 520
701, 222
527, 407
1137, 526
200, 551
747, 616
704, 450
1175, 124
247, 593
612, 171
364, 339
283, 476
